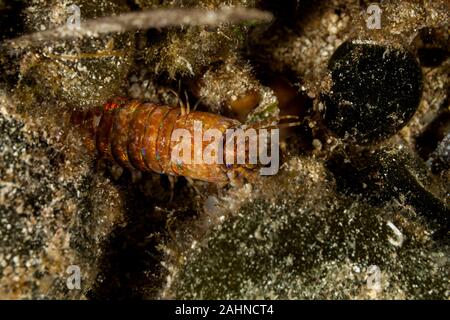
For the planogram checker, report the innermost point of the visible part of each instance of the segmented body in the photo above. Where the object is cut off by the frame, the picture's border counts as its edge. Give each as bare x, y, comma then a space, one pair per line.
138, 136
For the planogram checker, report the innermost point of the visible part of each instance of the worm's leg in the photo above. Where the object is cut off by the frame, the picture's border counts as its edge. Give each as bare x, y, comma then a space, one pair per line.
187, 102
269, 123
179, 102
172, 180
197, 103
192, 184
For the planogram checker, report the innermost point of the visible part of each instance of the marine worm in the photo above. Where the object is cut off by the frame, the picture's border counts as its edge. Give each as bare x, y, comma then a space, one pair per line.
140, 136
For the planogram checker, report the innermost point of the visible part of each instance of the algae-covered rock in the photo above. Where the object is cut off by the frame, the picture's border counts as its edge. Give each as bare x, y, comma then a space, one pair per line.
55, 215
339, 220
188, 51
375, 90
81, 72
307, 242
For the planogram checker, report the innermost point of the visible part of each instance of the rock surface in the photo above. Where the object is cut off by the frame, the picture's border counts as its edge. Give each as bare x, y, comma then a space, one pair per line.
339, 220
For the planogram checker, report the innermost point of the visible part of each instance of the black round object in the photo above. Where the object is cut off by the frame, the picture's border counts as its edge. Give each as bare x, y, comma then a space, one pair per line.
375, 90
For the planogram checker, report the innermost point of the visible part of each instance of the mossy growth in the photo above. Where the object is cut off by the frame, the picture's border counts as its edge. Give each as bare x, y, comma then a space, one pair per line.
309, 242
80, 73
187, 51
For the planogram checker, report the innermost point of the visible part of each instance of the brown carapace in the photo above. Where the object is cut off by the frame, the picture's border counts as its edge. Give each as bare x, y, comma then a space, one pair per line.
138, 136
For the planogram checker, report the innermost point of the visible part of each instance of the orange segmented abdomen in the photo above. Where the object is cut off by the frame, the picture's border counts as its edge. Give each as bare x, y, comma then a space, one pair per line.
141, 117
139, 136
119, 134
163, 146
151, 136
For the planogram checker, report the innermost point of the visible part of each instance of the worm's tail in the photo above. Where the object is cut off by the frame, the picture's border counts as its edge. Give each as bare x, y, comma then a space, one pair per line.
84, 124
